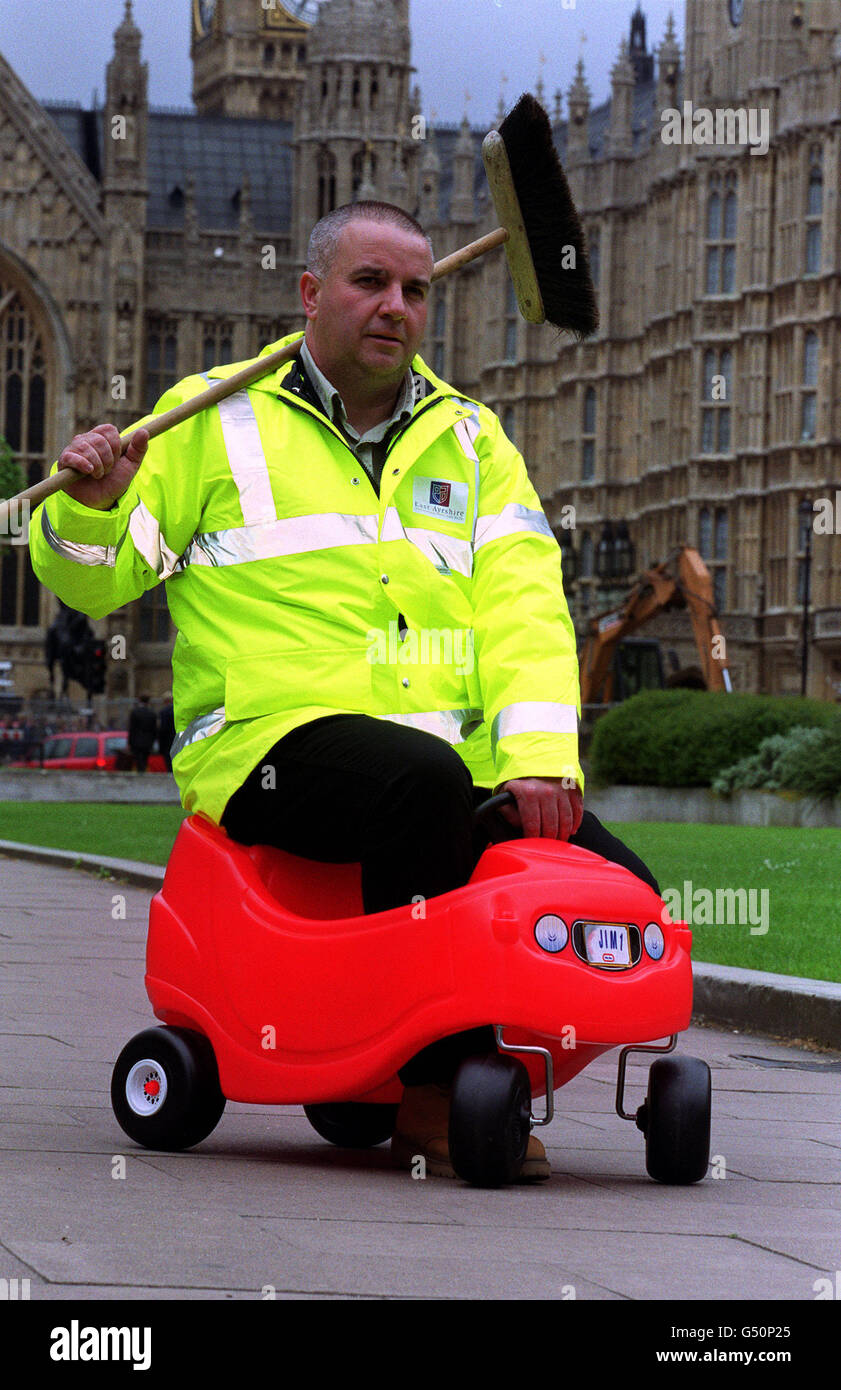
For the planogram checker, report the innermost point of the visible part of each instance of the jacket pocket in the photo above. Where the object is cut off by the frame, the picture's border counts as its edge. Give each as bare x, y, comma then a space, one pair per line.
278, 680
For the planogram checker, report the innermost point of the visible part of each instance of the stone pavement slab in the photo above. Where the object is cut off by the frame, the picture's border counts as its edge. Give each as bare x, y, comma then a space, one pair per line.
265, 1207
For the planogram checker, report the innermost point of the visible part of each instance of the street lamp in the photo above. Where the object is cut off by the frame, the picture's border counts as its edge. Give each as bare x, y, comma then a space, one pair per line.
805, 512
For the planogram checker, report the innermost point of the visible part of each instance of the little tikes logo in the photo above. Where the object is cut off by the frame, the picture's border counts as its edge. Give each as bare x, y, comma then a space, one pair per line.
82, 1343
435, 497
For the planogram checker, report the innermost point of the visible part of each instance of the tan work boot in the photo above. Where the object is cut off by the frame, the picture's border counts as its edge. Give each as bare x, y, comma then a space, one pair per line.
421, 1131
535, 1164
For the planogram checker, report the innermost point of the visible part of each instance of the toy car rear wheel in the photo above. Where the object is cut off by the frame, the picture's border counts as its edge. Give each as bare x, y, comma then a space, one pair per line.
352, 1124
676, 1120
165, 1088
490, 1117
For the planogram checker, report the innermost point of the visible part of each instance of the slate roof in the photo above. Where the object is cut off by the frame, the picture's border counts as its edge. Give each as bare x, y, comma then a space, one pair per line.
219, 150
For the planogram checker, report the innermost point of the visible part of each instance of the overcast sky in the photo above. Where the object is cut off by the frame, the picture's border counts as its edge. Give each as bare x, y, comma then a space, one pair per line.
458, 47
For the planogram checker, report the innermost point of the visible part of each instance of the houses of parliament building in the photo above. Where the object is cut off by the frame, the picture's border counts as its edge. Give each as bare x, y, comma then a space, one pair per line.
140, 245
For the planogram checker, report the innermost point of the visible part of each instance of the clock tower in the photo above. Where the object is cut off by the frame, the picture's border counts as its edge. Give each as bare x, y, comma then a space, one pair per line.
733, 46
249, 56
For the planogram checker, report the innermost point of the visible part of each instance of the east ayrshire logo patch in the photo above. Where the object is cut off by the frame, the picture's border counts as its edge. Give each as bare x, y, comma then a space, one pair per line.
440, 498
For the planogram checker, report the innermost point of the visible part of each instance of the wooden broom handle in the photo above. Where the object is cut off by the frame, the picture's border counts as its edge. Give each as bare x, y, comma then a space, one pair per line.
226, 386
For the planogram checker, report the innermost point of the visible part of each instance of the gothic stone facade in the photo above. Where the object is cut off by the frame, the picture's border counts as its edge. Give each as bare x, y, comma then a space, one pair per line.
139, 245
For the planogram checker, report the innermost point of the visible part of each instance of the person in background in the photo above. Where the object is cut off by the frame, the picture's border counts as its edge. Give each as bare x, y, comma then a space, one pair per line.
142, 732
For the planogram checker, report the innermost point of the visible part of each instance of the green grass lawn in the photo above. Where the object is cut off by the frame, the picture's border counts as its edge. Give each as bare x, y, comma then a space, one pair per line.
791, 877
798, 870
143, 833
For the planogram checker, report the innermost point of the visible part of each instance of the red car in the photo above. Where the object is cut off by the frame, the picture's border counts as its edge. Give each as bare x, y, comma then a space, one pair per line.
276, 989
84, 751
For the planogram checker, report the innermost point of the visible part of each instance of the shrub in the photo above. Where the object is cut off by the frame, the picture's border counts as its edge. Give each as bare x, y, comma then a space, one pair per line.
804, 760
686, 738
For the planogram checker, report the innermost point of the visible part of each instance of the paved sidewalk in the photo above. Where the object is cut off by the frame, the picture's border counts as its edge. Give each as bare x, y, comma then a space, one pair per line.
264, 1206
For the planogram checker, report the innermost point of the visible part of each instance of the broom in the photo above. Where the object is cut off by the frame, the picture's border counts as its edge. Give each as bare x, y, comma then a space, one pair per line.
540, 227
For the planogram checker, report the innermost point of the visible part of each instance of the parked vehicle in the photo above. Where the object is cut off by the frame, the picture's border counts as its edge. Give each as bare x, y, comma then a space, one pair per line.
88, 751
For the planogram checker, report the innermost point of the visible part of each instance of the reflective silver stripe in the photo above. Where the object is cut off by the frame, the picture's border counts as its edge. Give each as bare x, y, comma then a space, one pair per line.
81, 553
288, 536
322, 531
452, 725
202, 727
466, 432
246, 458
145, 532
447, 553
534, 717
393, 529
513, 518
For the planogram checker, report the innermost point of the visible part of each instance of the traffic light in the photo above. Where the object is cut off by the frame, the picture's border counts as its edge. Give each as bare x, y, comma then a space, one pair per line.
95, 673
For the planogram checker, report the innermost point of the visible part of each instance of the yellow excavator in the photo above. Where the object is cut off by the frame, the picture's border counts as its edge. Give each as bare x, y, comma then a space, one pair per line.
613, 664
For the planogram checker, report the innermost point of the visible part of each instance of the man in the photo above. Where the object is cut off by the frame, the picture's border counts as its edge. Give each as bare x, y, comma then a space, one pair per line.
166, 731
142, 732
314, 532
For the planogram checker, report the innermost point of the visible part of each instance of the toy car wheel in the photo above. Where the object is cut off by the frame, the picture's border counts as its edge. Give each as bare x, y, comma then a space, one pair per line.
490, 1117
165, 1088
676, 1120
351, 1124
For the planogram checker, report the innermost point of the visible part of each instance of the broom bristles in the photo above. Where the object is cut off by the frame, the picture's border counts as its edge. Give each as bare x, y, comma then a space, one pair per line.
551, 220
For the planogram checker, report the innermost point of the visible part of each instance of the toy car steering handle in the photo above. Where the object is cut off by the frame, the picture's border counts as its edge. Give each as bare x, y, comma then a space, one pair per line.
496, 826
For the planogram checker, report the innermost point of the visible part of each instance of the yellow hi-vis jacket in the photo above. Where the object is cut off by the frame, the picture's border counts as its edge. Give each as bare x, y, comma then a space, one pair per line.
287, 576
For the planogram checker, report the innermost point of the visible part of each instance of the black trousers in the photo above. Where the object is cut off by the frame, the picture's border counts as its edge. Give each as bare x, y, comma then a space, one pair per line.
400, 802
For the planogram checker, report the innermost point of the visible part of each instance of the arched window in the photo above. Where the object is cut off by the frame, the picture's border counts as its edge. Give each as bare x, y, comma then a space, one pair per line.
326, 169
809, 398
705, 533
717, 400
720, 538
720, 266
439, 331
588, 435
586, 555
23, 407
594, 253
512, 318
217, 344
814, 211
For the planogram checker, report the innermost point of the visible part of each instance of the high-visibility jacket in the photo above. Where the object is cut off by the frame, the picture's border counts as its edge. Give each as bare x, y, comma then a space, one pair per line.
288, 577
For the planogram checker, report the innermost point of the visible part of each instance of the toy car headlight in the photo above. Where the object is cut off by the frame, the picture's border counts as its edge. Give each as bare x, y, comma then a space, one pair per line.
551, 932
655, 943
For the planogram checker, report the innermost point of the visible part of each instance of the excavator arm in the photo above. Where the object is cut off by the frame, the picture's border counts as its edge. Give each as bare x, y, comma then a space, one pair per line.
681, 581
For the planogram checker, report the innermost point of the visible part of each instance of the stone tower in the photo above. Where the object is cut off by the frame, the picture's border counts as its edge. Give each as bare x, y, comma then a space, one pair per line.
248, 57
125, 191
737, 46
353, 128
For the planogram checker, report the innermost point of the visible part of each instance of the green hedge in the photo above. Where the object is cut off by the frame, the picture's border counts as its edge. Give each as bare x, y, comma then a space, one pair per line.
686, 738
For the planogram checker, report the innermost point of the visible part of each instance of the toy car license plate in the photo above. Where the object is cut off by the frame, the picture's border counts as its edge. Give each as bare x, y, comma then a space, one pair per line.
607, 943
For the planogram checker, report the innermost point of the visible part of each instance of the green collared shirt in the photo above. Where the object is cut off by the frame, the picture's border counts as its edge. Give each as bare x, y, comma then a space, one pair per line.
370, 448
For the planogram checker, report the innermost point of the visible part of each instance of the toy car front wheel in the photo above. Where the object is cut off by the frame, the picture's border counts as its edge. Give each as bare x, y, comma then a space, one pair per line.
352, 1124
676, 1120
165, 1088
490, 1117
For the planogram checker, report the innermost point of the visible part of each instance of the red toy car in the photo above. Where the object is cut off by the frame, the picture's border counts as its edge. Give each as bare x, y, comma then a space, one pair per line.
275, 988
